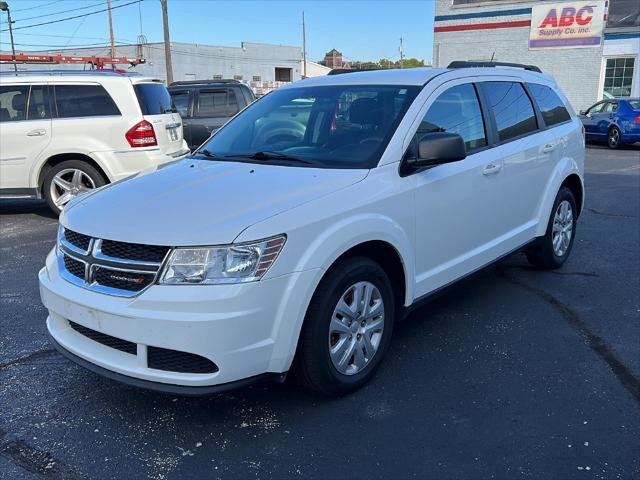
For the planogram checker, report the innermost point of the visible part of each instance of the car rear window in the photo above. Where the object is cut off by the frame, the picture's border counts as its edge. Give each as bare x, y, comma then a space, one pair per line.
552, 109
154, 99
74, 101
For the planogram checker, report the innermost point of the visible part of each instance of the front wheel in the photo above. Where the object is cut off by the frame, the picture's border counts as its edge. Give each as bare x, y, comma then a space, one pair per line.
67, 180
552, 250
614, 138
347, 328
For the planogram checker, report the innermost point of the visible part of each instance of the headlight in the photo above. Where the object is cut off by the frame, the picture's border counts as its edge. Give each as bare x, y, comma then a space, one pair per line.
241, 263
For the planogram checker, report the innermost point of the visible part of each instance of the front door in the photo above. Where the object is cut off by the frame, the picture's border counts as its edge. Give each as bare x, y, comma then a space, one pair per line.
25, 131
456, 204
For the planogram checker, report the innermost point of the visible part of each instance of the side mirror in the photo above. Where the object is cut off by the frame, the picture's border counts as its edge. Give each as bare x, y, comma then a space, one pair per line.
437, 148
582, 112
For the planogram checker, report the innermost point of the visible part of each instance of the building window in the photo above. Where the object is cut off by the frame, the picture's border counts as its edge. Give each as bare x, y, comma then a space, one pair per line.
618, 77
283, 74
237, 77
257, 78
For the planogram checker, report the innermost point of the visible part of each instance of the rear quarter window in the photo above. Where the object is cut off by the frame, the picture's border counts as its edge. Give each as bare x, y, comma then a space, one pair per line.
74, 101
551, 106
154, 99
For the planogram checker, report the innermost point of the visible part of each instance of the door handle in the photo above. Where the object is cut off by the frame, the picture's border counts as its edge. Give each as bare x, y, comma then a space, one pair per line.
492, 168
548, 148
37, 132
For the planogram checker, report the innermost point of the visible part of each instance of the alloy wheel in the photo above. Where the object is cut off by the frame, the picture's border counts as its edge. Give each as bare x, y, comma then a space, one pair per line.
69, 183
356, 328
614, 137
562, 228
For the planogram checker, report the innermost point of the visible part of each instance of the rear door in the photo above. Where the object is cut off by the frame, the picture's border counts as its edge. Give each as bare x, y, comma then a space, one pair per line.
158, 109
25, 132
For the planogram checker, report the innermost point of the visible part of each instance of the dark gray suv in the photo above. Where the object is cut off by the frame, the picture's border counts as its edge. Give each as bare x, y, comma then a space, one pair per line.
205, 105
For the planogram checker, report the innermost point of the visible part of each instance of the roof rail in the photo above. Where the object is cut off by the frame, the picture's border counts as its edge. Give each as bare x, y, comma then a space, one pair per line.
465, 64
21, 73
204, 82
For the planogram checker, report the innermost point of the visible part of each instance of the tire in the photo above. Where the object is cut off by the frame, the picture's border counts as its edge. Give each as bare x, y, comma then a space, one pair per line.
79, 177
614, 138
314, 366
543, 254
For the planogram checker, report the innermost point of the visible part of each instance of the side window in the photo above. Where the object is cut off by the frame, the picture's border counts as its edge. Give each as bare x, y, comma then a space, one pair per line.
457, 110
232, 103
597, 108
181, 102
13, 103
39, 103
552, 109
212, 103
84, 101
512, 109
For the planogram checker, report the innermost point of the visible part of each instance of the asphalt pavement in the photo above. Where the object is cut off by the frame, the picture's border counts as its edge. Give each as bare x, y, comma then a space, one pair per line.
513, 373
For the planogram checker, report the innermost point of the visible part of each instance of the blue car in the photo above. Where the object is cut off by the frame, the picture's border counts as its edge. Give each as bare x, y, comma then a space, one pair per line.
615, 121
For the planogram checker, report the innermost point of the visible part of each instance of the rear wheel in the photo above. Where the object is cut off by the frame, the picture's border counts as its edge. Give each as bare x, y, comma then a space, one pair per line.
347, 328
614, 138
67, 180
552, 250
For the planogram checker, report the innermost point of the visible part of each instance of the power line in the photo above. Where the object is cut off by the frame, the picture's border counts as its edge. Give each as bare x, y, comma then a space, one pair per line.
76, 16
36, 6
59, 13
49, 47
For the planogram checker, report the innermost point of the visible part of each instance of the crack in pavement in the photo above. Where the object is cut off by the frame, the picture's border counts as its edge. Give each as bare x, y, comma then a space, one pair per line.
628, 380
28, 358
530, 268
34, 460
606, 214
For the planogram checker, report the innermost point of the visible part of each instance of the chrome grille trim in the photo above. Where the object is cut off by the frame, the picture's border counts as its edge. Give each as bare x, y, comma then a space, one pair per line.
94, 259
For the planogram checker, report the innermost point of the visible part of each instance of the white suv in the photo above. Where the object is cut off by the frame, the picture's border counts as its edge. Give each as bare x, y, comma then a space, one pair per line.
301, 231
62, 133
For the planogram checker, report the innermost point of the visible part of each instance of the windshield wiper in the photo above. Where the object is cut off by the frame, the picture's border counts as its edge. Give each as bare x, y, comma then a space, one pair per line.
266, 155
207, 153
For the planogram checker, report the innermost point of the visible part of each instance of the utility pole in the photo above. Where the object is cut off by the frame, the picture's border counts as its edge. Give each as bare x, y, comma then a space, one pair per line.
304, 48
167, 42
5, 6
401, 53
113, 46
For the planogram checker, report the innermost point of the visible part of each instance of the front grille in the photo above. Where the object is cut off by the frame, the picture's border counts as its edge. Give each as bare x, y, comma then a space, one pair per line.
76, 239
122, 280
134, 251
115, 268
175, 361
106, 340
74, 267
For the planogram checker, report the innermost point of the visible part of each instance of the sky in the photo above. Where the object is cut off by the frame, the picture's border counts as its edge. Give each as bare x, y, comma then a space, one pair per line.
360, 29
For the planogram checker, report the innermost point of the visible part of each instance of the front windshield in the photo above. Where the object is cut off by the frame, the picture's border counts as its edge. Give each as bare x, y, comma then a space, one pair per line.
343, 126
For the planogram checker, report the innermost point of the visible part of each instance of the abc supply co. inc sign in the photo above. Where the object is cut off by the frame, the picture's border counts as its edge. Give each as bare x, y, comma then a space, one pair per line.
566, 25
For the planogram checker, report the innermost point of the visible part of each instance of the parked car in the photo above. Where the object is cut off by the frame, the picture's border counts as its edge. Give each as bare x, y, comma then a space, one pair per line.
63, 133
297, 236
206, 105
615, 121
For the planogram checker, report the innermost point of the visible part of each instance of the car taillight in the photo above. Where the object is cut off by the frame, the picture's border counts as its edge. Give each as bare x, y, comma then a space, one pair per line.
141, 135
637, 120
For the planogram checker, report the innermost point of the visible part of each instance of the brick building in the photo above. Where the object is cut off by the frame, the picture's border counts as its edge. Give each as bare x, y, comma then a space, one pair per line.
587, 69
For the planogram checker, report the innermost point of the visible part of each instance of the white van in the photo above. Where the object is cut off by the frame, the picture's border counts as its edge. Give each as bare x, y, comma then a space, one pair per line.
63, 133
295, 237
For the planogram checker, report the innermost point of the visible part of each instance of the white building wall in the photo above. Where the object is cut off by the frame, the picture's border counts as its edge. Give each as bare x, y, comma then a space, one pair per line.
577, 70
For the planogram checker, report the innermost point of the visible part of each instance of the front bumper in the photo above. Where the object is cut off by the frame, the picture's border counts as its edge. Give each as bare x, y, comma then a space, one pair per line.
247, 330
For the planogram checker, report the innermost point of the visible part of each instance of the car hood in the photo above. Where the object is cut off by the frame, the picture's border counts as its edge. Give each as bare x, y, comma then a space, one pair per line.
200, 202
